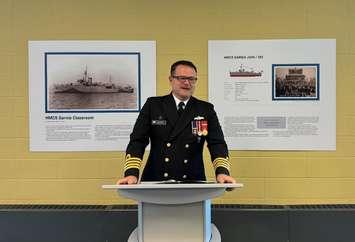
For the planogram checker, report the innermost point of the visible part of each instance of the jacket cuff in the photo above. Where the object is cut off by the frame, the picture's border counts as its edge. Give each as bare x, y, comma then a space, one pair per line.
132, 172
132, 166
221, 165
222, 170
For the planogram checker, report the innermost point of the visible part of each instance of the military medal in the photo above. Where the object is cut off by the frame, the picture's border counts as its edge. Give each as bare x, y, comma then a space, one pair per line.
199, 126
204, 127
194, 127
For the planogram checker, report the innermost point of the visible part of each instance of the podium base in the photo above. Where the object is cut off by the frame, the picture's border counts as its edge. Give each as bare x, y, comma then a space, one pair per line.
215, 237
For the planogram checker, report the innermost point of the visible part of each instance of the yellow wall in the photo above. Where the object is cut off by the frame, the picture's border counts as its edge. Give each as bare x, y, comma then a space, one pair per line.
181, 29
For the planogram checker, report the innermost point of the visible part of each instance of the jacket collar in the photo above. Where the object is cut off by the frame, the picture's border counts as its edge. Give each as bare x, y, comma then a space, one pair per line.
178, 123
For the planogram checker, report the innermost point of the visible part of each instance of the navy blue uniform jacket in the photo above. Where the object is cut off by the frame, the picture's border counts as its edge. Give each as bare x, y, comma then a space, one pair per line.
175, 151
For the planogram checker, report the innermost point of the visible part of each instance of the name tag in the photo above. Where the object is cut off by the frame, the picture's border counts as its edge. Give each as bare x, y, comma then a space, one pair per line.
159, 122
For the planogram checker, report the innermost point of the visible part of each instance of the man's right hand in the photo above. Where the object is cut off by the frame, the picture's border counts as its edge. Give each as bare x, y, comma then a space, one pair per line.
127, 180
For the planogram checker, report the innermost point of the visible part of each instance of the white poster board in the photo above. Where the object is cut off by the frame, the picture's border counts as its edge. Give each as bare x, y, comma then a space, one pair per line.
86, 95
275, 94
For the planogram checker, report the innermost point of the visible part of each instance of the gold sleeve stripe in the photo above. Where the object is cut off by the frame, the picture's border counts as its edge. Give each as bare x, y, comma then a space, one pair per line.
133, 159
221, 162
132, 162
227, 167
222, 165
131, 166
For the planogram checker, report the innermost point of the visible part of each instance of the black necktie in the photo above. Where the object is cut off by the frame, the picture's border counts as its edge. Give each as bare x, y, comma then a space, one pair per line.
181, 108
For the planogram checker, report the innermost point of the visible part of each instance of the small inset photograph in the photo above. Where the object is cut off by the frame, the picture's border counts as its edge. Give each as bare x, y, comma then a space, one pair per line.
244, 71
295, 82
92, 82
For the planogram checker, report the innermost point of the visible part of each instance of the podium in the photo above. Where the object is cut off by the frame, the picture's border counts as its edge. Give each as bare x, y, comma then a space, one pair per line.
174, 212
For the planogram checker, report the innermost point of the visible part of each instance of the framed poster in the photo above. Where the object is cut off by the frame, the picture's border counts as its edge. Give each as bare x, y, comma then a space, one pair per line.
275, 94
86, 95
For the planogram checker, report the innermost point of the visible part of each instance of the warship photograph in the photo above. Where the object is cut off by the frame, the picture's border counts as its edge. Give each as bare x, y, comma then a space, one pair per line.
298, 82
86, 85
92, 83
244, 72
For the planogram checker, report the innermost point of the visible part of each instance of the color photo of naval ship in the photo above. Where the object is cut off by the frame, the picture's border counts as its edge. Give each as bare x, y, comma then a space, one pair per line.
244, 72
86, 85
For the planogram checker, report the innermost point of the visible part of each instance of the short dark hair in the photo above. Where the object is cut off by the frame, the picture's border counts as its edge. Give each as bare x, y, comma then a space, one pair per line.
183, 63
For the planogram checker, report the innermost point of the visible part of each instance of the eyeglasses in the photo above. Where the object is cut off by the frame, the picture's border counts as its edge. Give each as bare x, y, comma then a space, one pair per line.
190, 79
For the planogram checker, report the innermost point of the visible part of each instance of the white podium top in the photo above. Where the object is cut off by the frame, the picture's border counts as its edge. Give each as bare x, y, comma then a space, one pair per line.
171, 192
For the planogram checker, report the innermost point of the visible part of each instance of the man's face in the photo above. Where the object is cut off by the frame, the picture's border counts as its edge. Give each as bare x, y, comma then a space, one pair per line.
183, 82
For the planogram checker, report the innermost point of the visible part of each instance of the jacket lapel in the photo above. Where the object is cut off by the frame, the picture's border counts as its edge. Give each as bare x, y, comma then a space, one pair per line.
184, 119
170, 109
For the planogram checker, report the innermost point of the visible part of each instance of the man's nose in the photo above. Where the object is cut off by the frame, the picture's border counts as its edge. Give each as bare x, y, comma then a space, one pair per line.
186, 82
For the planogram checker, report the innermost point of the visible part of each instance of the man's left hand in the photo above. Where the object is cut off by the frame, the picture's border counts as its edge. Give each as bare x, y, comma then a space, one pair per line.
223, 178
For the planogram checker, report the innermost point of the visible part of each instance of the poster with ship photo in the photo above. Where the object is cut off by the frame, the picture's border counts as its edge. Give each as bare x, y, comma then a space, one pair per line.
86, 95
274, 94
92, 81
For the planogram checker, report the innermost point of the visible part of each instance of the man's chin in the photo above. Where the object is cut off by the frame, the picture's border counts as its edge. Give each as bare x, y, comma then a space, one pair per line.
183, 95
186, 96
187, 93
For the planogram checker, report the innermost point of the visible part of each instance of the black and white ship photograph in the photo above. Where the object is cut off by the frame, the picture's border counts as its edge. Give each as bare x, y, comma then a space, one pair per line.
296, 82
92, 82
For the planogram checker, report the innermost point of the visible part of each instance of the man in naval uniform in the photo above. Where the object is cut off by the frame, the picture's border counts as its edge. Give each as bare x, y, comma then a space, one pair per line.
177, 125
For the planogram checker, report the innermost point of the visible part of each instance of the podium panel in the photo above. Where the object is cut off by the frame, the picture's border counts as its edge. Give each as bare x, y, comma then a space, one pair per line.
183, 221
173, 212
